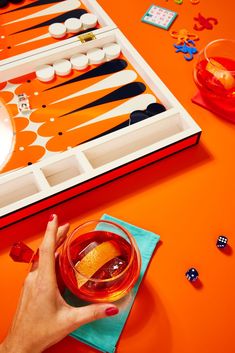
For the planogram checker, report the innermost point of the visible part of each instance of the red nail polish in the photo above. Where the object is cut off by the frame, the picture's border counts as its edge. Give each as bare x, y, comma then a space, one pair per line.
111, 311
51, 217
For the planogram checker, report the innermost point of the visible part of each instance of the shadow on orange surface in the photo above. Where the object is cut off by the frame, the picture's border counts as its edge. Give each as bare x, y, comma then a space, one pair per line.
227, 251
148, 310
69, 344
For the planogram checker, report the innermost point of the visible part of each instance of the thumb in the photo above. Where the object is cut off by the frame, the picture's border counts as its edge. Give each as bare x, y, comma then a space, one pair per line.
83, 315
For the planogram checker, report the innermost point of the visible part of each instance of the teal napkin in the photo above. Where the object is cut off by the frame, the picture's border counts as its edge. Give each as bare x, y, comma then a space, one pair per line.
104, 334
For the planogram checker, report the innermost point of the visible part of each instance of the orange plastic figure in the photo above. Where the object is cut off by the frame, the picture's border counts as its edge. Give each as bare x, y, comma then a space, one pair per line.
183, 35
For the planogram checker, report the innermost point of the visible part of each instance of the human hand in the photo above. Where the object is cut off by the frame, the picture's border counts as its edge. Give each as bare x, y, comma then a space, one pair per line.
43, 317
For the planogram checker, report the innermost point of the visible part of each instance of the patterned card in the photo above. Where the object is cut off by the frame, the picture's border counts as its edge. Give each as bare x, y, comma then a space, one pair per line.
159, 17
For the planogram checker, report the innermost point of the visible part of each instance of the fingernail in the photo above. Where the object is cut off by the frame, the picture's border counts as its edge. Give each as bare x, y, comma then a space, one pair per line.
111, 311
51, 217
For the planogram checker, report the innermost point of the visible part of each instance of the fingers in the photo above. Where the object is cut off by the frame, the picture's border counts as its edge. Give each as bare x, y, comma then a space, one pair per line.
86, 314
61, 234
60, 237
47, 249
34, 261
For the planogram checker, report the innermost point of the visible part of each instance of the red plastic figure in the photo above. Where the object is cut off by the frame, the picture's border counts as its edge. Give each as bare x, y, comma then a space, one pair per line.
204, 22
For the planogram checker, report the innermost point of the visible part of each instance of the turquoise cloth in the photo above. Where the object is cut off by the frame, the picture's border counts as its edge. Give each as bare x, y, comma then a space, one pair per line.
104, 334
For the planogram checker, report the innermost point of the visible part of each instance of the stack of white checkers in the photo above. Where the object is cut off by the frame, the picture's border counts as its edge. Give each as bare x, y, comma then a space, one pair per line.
73, 25
63, 67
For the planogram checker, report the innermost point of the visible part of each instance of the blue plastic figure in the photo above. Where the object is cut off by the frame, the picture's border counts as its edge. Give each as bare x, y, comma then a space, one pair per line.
186, 49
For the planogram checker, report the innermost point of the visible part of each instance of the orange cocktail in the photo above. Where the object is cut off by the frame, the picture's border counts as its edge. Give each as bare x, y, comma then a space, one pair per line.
100, 261
214, 75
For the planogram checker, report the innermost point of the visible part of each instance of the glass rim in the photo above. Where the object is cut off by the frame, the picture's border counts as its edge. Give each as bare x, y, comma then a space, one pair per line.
134, 249
212, 43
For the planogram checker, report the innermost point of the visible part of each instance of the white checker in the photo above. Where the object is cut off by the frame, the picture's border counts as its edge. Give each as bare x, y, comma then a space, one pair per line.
79, 61
89, 20
112, 50
45, 73
62, 67
96, 56
57, 30
73, 25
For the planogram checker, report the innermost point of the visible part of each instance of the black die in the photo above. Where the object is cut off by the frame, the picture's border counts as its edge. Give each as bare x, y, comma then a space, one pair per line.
192, 274
221, 241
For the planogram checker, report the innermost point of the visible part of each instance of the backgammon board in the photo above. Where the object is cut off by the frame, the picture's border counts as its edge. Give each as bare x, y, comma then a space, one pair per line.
84, 128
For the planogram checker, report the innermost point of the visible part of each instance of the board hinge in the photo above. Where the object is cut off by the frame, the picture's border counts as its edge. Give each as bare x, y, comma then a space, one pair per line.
87, 37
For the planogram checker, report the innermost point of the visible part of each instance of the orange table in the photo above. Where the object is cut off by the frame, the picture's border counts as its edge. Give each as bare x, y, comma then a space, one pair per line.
189, 199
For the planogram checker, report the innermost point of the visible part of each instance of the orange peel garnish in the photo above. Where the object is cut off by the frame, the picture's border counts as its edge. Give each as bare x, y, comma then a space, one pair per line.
221, 73
94, 260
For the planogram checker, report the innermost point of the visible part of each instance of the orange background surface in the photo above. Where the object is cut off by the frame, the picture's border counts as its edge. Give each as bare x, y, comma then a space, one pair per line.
189, 199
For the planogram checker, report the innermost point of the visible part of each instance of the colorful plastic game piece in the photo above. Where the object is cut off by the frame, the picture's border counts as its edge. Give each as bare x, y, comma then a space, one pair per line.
112, 50
57, 30
205, 23
192, 274
222, 241
89, 20
45, 73
183, 35
79, 61
186, 49
62, 67
96, 56
73, 25
179, 2
159, 17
